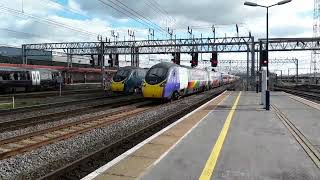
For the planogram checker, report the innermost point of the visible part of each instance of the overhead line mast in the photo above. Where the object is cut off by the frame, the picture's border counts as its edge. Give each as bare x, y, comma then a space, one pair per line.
315, 59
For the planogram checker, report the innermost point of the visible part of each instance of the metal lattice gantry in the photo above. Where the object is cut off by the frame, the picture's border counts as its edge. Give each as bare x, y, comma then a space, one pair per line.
203, 45
290, 44
271, 61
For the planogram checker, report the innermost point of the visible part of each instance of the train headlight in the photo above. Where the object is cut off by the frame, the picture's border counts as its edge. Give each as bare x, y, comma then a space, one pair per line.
163, 84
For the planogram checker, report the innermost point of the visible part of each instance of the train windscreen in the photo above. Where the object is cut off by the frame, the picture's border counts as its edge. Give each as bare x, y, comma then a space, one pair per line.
121, 75
156, 75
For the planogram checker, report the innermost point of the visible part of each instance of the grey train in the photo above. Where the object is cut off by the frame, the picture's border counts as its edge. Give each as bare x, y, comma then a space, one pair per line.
23, 79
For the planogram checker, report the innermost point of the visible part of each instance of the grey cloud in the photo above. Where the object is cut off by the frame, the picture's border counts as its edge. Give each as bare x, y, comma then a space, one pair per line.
209, 11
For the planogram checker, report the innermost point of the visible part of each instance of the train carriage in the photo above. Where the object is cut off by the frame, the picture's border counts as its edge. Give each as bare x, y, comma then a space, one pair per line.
170, 81
128, 80
215, 79
16, 78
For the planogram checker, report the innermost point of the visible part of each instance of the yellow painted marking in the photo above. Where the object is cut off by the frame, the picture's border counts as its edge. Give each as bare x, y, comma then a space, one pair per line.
212, 160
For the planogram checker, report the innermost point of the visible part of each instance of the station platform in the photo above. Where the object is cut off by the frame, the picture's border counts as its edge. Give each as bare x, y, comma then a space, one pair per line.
230, 137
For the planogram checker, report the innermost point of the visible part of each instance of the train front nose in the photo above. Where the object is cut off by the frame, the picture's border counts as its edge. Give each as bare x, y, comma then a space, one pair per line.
152, 91
117, 86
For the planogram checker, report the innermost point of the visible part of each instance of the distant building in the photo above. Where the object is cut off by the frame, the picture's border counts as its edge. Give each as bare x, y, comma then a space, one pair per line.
14, 54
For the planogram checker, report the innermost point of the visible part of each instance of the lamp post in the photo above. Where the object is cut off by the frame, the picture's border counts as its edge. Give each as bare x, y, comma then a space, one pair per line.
267, 34
267, 28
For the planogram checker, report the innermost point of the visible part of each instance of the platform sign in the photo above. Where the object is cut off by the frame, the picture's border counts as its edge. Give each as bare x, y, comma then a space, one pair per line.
59, 79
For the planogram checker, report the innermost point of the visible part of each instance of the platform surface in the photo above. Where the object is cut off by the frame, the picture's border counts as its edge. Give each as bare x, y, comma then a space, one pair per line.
256, 144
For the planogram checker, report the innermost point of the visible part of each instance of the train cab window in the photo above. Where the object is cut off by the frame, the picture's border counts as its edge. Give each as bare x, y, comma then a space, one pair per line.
121, 75
156, 75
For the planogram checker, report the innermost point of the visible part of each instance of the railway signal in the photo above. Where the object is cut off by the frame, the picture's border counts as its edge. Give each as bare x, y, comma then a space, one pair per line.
176, 58
110, 60
116, 62
214, 59
264, 58
194, 59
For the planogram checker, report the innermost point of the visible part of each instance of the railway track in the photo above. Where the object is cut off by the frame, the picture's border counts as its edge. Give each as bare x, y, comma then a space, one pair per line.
312, 152
53, 105
90, 162
55, 116
42, 94
26, 142
306, 94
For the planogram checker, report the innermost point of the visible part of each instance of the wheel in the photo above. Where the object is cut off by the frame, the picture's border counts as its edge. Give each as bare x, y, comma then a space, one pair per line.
175, 96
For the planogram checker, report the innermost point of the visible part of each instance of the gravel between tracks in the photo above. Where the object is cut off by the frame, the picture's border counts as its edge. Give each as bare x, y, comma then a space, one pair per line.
43, 160
36, 113
9, 134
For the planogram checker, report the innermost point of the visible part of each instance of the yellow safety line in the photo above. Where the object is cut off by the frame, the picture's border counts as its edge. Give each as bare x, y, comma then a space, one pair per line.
212, 160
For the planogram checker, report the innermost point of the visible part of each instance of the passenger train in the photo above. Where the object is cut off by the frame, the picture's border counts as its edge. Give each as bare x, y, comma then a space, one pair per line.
171, 81
13, 78
128, 80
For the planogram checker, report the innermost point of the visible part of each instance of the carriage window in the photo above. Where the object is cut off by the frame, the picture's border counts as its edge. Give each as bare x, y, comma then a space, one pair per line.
28, 76
16, 76
5, 75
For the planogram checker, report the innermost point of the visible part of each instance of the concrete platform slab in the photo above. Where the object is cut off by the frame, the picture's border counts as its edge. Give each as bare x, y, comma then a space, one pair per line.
257, 146
153, 146
306, 118
131, 167
152, 151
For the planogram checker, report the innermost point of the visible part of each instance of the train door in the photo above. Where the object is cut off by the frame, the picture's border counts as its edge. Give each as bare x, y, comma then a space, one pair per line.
35, 75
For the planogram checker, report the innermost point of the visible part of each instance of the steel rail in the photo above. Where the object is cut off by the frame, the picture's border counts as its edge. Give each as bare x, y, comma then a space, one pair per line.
312, 152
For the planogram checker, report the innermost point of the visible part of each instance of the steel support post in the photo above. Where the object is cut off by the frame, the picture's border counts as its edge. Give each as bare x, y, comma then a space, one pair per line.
253, 74
102, 64
297, 71
248, 57
24, 54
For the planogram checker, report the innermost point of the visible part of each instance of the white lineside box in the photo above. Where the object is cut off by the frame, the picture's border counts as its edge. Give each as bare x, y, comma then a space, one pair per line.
263, 85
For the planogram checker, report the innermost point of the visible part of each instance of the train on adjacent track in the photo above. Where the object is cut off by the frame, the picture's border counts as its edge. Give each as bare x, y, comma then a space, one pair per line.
13, 78
19, 77
128, 80
168, 81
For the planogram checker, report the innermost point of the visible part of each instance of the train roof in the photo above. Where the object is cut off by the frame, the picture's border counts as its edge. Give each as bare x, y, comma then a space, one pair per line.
169, 64
57, 68
131, 67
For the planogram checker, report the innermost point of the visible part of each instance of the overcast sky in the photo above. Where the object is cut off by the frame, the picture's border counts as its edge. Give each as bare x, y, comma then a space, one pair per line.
36, 21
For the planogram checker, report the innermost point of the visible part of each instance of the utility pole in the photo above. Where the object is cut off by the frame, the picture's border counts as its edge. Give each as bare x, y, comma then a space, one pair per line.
315, 60
170, 32
297, 70
102, 61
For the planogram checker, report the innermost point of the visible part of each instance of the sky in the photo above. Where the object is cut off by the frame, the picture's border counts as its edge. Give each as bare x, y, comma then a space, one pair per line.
33, 21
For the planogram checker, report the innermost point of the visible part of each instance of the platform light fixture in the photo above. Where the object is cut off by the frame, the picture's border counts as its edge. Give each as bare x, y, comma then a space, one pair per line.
250, 4
267, 30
